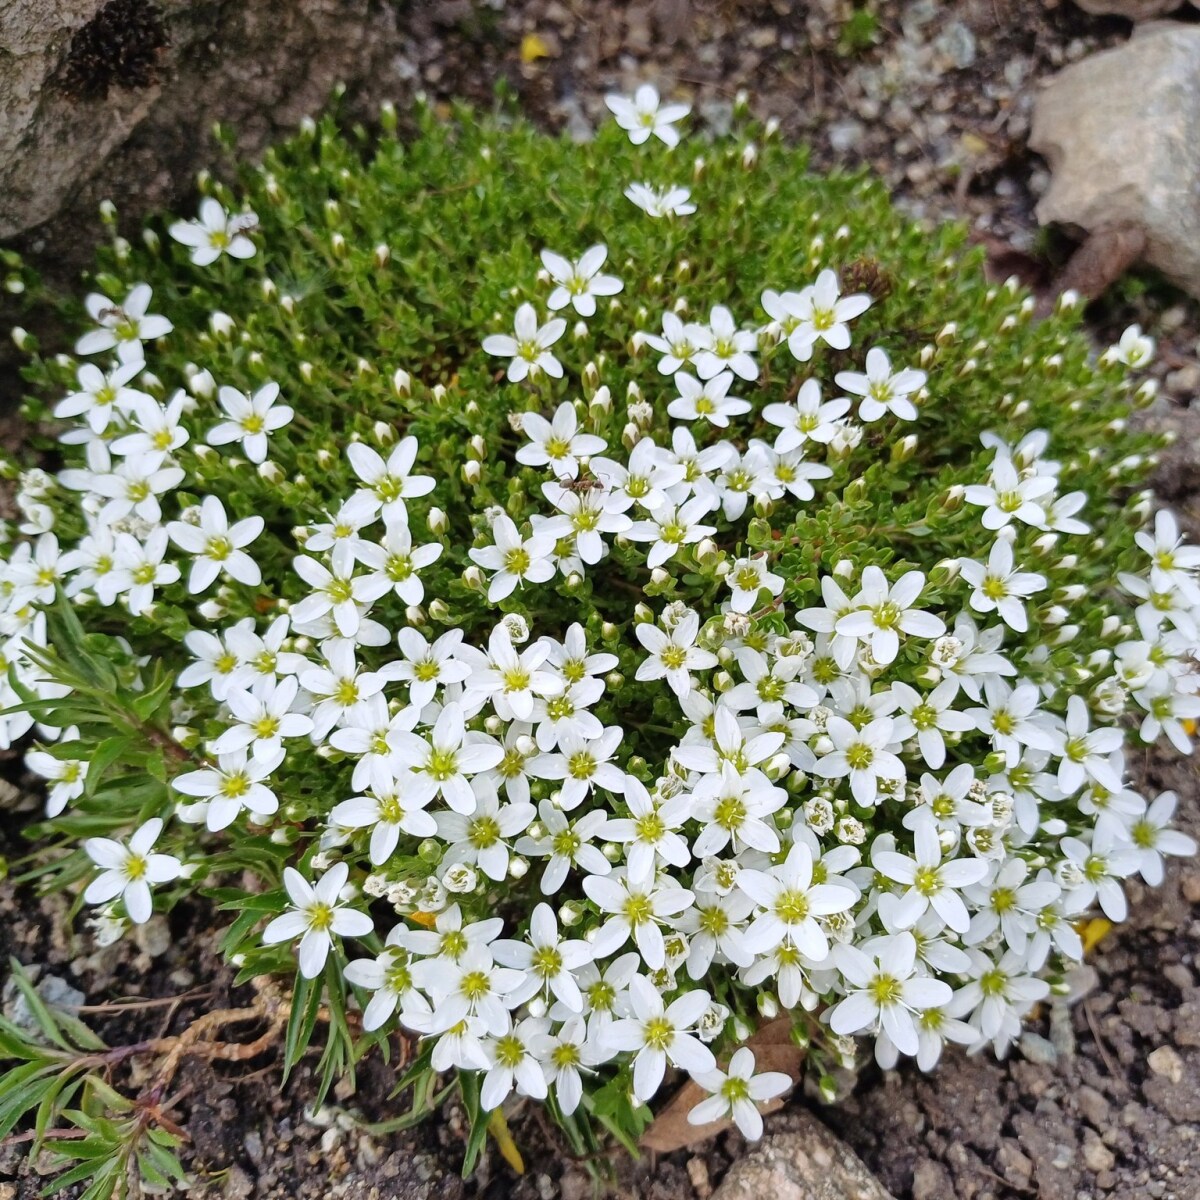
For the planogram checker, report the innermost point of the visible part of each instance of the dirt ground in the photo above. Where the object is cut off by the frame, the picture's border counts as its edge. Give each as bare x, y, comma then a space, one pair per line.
936, 97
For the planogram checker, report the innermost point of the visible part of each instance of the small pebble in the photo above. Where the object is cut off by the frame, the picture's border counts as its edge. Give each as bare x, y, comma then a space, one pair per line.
1165, 1061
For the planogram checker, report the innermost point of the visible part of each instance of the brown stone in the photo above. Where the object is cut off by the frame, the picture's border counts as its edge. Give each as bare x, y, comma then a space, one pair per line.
809, 1162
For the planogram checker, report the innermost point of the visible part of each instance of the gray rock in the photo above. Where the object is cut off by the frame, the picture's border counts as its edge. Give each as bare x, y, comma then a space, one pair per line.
53, 991
806, 1163
1121, 132
259, 66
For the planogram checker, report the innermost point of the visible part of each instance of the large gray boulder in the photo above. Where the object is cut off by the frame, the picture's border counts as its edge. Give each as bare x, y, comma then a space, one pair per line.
1121, 134
117, 98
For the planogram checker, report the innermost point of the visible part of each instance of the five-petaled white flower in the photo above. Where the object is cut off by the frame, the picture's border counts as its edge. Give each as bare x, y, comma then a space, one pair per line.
251, 419
736, 1094
661, 202
882, 389
123, 326
316, 917
558, 443
218, 546
216, 232
128, 869
579, 283
528, 346
645, 116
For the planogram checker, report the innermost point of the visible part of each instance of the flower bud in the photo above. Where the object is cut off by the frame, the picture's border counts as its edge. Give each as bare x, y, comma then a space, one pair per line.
23, 340
401, 383
439, 610
272, 472
478, 447
614, 681
472, 472
438, 522
473, 578
570, 914
749, 156
221, 324
108, 212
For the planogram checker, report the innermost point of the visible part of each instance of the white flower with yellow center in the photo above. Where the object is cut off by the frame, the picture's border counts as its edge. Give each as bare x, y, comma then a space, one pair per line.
235, 783
128, 870
645, 116
251, 418
263, 720
443, 759
317, 916
736, 1094
579, 283
216, 232
388, 810
218, 547
528, 346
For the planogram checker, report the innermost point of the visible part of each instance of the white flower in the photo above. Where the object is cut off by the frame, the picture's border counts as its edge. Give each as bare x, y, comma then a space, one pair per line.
997, 995
818, 313
579, 283
716, 925
679, 344
1134, 349
1102, 862
128, 870
158, 431
529, 347
585, 516
748, 577
646, 479
999, 587
657, 1034
1008, 497
427, 666
389, 976
66, 776
513, 1062
582, 764
140, 567
442, 761
645, 115
930, 882
669, 528
103, 394
1151, 838
661, 202
1172, 563
1085, 753
514, 559
706, 401
212, 663
649, 832
736, 1094
547, 961
124, 326
218, 547
264, 719
562, 1054
337, 592
389, 483
566, 844
217, 232
398, 562
928, 717
882, 989
481, 839
807, 419
736, 813
791, 904
882, 614
251, 419
316, 916
881, 389
134, 487
1012, 717
471, 985
636, 909
727, 348
558, 443
674, 654
862, 754
388, 810
233, 784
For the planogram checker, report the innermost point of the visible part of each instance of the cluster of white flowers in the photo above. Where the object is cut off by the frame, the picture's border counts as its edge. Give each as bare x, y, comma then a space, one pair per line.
744, 858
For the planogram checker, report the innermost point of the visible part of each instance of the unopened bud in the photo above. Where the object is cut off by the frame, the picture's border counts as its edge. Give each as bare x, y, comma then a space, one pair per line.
401, 382
221, 324
472, 471
438, 521
383, 254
